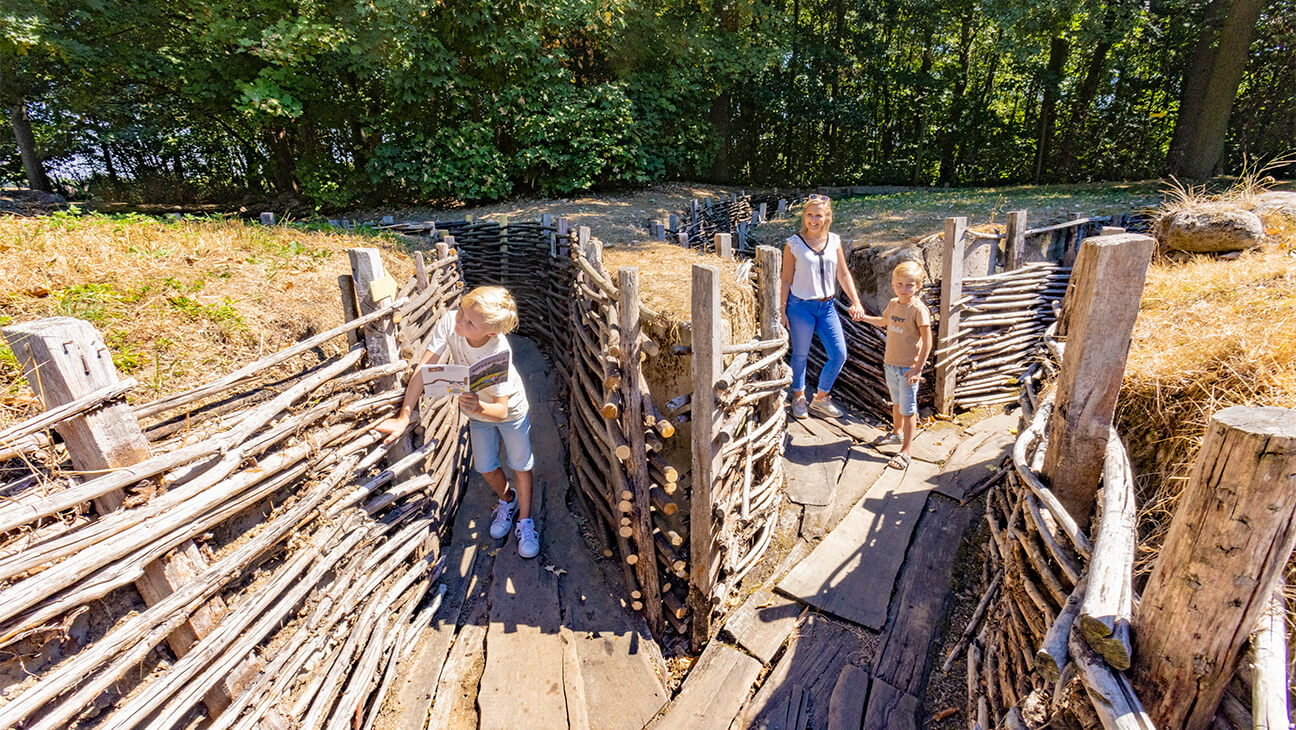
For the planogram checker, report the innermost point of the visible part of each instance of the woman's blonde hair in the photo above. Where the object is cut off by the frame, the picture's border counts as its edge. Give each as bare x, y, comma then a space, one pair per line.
496, 307
909, 269
816, 200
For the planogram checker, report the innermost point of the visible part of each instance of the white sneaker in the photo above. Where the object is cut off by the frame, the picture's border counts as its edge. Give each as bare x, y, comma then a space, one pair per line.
825, 407
527, 537
502, 517
799, 407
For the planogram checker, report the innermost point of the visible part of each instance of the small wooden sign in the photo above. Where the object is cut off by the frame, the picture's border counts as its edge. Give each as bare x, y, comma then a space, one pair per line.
380, 289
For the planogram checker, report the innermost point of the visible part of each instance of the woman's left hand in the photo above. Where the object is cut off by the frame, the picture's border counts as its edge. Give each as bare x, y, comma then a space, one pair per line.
856, 312
469, 403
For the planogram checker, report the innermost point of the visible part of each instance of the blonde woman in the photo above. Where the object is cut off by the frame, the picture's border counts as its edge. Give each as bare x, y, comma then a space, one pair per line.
814, 264
497, 413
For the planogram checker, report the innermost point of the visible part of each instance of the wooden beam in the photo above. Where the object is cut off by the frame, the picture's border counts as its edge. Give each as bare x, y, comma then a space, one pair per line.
724, 245
637, 466
769, 270
1229, 540
707, 365
951, 291
1102, 302
370, 279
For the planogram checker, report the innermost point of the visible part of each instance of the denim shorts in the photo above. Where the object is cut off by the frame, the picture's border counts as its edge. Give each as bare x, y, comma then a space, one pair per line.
903, 394
486, 436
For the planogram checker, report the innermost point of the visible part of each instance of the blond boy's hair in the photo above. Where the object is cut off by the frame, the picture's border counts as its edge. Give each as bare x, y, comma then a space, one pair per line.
910, 270
496, 307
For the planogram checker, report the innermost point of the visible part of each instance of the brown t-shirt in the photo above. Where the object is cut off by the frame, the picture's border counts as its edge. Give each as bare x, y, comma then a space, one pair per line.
903, 336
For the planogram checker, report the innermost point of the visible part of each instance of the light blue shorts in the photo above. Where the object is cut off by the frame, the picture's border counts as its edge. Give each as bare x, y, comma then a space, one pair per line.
486, 436
902, 393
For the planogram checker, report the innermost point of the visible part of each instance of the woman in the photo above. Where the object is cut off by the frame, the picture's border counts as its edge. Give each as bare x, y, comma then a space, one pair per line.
813, 265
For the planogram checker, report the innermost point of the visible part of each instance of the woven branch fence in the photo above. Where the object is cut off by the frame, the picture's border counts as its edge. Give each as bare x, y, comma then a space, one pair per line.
1062, 636
285, 568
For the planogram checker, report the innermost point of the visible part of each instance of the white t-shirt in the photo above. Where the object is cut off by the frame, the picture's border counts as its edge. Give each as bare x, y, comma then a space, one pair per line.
462, 353
815, 274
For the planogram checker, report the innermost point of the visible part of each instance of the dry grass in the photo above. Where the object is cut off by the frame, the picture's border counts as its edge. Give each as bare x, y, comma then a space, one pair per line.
1211, 333
178, 302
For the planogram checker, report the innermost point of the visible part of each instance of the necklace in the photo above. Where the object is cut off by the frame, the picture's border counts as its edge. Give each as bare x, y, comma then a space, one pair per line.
815, 244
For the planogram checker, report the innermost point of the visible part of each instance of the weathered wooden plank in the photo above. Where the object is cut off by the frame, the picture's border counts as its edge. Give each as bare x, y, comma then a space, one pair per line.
845, 708
708, 344
813, 465
714, 691
933, 444
851, 573
763, 623
1101, 304
851, 425
889, 708
948, 324
816, 657
918, 611
976, 458
863, 467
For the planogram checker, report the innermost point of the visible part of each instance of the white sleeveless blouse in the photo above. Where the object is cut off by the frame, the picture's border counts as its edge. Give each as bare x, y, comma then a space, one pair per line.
815, 275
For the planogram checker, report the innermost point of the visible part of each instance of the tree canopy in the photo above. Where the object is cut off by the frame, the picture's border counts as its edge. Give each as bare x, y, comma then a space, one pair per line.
349, 101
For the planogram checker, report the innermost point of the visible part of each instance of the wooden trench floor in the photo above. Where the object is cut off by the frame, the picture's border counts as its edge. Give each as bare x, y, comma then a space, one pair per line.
840, 634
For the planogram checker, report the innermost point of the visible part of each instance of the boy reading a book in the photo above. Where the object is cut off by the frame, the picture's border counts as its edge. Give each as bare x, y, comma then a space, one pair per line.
497, 412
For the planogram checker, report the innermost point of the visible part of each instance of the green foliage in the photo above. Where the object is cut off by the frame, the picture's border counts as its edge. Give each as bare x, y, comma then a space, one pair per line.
351, 103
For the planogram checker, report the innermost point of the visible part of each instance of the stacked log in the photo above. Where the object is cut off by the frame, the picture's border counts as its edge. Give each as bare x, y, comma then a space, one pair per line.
327, 590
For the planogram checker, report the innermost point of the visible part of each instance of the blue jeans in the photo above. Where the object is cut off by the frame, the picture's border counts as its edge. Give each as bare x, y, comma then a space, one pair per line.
485, 437
807, 317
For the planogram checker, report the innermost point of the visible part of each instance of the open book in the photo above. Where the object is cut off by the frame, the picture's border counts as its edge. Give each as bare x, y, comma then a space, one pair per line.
440, 380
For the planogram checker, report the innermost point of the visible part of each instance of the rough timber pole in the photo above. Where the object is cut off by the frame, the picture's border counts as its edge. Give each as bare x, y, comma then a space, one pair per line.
633, 430
707, 365
1102, 302
951, 291
1229, 540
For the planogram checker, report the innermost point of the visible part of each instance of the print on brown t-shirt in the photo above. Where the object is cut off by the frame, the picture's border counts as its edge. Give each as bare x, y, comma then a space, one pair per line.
903, 338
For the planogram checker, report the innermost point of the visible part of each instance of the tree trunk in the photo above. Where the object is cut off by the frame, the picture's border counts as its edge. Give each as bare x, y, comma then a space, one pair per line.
1206, 145
954, 129
1085, 94
1048, 107
1193, 89
720, 112
36, 178
282, 164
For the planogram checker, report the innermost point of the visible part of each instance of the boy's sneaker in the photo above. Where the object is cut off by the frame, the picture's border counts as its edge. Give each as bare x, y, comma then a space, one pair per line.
799, 409
502, 518
825, 407
528, 539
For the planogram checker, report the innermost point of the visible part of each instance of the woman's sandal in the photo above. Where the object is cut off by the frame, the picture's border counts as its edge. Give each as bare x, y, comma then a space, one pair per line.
899, 461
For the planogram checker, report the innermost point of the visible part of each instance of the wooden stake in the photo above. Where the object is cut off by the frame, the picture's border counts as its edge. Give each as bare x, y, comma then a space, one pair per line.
724, 245
1015, 240
951, 291
1229, 540
632, 427
707, 364
1102, 303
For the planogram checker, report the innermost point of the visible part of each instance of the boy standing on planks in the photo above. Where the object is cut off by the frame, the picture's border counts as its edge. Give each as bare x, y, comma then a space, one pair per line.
907, 322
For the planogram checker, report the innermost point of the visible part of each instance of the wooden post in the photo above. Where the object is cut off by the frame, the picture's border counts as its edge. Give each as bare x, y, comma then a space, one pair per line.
951, 291
420, 270
769, 269
760, 213
724, 245
683, 239
65, 359
1111, 230
350, 307
633, 430
375, 289
782, 207
1269, 654
707, 366
1015, 240
742, 236
1101, 304
1071, 241
268, 218
1229, 540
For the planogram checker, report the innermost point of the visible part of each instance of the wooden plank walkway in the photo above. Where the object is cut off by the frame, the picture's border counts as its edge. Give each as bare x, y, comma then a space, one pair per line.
839, 635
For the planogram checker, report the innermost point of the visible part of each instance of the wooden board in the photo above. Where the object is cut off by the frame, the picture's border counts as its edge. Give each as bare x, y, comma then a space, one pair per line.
852, 426
421, 672
763, 623
922, 592
890, 709
807, 674
933, 444
976, 458
863, 467
813, 463
713, 692
851, 573
845, 710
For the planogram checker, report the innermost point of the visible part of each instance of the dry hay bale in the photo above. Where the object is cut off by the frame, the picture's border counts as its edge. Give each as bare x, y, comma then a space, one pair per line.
1210, 228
